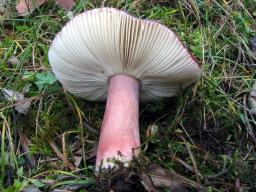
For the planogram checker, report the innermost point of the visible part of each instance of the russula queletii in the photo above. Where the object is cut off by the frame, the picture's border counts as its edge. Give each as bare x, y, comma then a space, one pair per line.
107, 54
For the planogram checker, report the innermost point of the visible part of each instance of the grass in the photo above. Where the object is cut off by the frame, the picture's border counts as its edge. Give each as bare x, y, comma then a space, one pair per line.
205, 133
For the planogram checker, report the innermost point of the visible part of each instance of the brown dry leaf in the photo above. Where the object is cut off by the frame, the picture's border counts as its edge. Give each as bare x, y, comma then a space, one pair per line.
26, 7
66, 4
25, 142
167, 178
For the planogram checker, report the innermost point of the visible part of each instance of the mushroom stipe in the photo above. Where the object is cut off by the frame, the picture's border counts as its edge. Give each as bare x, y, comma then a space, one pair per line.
106, 54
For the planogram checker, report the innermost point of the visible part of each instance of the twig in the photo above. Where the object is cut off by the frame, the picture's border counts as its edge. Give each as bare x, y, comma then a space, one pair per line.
183, 128
49, 160
3, 132
33, 57
86, 125
192, 159
247, 154
190, 168
60, 155
223, 171
37, 115
64, 149
18, 102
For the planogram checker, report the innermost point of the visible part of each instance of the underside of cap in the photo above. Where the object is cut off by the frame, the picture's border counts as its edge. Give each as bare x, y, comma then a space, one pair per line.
97, 44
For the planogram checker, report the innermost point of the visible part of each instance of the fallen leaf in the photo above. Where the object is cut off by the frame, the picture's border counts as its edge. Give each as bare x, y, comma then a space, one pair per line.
66, 4
148, 182
252, 100
26, 7
78, 160
13, 61
23, 105
166, 178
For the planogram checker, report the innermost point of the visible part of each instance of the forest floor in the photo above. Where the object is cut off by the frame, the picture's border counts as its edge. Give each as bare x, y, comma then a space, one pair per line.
205, 137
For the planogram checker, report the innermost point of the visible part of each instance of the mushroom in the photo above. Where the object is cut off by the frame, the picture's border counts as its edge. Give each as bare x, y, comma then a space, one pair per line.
107, 54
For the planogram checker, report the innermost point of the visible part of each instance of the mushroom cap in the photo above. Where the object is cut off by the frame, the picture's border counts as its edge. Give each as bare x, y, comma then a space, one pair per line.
101, 43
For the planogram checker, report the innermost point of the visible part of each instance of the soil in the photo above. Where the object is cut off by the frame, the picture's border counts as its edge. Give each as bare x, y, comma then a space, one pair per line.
120, 180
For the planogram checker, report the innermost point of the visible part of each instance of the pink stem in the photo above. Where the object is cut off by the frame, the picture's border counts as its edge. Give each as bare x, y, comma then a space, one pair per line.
120, 128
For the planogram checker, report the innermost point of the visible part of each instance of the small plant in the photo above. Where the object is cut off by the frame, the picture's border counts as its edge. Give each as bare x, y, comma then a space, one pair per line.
44, 79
